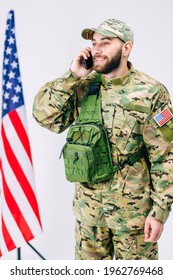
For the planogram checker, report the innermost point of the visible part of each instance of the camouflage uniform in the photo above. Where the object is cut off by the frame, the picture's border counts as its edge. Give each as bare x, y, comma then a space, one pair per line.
115, 211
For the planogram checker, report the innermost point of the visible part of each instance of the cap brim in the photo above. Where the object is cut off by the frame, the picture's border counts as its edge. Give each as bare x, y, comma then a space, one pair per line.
88, 33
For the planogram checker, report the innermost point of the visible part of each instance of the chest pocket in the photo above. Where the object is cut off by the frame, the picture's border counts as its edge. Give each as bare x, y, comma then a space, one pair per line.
122, 128
119, 125
125, 124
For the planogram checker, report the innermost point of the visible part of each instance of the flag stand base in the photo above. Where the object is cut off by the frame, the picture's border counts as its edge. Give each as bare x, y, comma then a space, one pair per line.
19, 252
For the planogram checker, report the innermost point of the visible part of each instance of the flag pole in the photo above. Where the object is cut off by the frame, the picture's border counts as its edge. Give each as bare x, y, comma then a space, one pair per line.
36, 251
18, 253
32, 247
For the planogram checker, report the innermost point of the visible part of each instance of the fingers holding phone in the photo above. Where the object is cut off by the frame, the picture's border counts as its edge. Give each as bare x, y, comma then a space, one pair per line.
82, 63
88, 63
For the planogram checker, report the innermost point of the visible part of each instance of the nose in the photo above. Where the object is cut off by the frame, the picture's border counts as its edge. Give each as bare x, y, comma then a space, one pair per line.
97, 49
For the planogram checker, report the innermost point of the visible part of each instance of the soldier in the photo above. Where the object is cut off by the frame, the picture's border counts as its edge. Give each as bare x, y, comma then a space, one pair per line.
122, 217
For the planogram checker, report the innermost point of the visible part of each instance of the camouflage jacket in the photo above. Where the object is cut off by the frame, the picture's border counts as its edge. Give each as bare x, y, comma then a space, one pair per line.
129, 107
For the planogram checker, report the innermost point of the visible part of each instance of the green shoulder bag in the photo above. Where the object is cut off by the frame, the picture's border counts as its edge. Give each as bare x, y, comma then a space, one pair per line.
86, 154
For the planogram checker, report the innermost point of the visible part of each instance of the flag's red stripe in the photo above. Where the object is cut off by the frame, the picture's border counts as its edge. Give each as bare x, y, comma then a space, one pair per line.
7, 238
15, 211
20, 175
21, 132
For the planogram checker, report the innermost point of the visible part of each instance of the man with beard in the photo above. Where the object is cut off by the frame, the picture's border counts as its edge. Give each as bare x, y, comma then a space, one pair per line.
122, 217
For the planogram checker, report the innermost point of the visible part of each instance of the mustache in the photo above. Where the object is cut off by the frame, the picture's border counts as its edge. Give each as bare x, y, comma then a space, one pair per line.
99, 56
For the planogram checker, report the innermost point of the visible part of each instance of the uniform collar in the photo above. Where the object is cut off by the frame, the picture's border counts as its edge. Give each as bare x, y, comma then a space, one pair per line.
106, 82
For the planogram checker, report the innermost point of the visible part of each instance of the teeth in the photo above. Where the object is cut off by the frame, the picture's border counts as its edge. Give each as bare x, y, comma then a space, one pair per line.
99, 59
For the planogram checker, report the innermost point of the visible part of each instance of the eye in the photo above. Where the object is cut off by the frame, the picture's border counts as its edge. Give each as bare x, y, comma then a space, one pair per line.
105, 43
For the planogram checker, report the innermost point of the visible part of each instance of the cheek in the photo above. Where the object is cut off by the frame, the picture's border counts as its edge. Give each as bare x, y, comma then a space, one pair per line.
93, 51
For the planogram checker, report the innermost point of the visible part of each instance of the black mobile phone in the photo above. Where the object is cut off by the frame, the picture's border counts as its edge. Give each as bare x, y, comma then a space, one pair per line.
88, 63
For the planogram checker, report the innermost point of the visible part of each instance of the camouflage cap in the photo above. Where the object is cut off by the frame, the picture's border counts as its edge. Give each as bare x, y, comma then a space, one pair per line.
111, 28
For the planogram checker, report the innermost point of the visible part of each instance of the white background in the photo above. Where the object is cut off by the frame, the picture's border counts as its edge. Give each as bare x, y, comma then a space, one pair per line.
48, 37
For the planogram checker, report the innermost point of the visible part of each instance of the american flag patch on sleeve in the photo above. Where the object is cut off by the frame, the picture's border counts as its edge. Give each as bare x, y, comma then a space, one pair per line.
163, 117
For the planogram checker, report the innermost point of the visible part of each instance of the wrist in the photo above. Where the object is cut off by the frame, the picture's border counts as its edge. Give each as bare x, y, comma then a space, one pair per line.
74, 74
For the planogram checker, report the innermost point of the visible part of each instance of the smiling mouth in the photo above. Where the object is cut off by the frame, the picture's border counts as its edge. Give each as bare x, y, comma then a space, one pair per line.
99, 59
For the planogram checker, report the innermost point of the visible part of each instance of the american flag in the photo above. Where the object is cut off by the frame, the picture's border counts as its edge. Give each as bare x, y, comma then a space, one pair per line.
20, 218
163, 117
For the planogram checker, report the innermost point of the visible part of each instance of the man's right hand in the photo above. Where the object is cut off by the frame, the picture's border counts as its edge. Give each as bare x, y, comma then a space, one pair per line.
77, 66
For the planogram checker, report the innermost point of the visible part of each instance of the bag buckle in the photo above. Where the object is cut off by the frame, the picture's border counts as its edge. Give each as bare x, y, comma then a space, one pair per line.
121, 164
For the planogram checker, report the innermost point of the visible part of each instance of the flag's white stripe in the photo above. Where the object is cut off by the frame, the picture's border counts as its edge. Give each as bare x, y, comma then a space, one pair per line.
18, 150
21, 112
20, 197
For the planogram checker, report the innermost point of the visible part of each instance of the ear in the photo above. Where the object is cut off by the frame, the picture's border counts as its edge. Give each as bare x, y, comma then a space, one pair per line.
127, 47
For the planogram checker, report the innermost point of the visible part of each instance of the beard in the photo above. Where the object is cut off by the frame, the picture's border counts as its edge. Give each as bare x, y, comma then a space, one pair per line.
111, 65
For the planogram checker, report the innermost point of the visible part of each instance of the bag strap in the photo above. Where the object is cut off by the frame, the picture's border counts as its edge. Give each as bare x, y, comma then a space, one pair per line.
131, 159
91, 105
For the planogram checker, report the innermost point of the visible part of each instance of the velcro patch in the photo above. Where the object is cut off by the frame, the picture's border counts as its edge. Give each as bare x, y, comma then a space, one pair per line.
163, 117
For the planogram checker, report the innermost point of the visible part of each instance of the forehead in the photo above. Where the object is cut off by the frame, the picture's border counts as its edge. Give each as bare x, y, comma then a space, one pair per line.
97, 36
